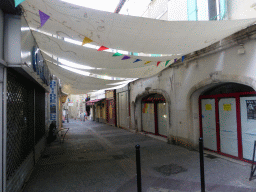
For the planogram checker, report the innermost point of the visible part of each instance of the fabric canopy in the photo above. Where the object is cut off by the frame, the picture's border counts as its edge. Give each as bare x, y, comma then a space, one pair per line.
79, 84
90, 57
140, 72
120, 32
129, 33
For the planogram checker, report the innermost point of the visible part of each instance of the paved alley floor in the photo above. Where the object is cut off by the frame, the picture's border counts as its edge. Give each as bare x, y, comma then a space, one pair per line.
99, 157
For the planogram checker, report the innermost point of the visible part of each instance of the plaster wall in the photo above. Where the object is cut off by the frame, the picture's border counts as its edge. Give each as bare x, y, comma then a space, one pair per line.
27, 43
183, 85
12, 39
241, 9
1, 35
157, 8
177, 10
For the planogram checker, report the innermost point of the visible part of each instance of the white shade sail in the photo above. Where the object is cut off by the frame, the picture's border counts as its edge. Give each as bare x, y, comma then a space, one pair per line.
140, 72
74, 81
91, 57
120, 32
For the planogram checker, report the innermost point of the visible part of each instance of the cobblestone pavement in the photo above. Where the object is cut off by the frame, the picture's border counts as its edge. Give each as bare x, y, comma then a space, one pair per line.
99, 157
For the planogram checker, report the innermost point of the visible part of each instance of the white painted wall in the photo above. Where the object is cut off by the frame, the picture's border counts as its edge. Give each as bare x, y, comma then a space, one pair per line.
157, 8
1, 34
238, 9
183, 86
177, 10
27, 43
12, 39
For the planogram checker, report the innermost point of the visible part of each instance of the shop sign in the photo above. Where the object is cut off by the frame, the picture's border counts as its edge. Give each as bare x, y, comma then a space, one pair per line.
39, 66
53, 100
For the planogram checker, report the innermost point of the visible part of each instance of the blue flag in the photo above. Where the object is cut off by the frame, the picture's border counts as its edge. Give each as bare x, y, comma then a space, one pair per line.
136, 60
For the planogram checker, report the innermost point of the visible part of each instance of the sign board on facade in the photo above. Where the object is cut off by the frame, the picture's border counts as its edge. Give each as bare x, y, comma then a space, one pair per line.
53, 100
39, 66
251, 109
227, 107
110, 94
208, 107
70, 104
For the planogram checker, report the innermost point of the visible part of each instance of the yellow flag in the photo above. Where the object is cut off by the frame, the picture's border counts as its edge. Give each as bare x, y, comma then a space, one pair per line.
147, 62
86, 40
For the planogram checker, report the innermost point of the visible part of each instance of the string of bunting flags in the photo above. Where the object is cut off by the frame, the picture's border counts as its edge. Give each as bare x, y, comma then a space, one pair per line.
102, 48
44, 17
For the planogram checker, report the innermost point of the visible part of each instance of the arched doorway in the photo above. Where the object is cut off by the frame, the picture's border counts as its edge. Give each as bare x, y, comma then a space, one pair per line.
154, 114
228, 119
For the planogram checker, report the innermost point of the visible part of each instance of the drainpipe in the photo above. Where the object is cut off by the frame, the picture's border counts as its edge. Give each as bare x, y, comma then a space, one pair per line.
119, 6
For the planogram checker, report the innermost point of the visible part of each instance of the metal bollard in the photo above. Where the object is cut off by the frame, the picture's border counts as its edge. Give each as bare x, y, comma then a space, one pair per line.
201, 152
138, 167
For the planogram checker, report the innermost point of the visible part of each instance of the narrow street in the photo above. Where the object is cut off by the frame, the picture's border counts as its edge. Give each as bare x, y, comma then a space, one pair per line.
98, 157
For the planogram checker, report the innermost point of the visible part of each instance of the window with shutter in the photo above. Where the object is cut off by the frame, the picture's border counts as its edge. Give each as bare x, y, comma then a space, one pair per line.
192, 10
223, 9
212, 9
217, 9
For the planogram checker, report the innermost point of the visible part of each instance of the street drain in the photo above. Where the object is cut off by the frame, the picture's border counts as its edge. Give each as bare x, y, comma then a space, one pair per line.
170, 169
210, 156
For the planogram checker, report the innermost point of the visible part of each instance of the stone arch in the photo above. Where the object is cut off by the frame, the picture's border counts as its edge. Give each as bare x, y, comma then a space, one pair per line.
136, 106
192, 99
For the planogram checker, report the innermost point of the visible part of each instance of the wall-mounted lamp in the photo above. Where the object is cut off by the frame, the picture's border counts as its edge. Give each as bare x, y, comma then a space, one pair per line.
241, 49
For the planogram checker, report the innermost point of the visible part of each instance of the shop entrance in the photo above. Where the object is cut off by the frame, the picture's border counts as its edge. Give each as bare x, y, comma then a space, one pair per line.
227, 120
154, 115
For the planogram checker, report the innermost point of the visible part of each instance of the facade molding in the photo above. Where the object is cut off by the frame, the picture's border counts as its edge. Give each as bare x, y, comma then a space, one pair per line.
192, 100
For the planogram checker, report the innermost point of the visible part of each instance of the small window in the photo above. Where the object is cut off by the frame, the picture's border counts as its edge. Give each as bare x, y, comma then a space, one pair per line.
217, 9
192, 10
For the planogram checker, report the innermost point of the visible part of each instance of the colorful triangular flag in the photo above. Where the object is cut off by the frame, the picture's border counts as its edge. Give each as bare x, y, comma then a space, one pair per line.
158, 63
167, 63
137, 60
182, 58
43, 17
147, 62
126, 57
102, 48
117, 54
17, 2
86, 40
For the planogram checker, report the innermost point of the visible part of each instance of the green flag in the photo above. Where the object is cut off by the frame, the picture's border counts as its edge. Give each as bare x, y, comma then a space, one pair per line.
167, 63
117, 54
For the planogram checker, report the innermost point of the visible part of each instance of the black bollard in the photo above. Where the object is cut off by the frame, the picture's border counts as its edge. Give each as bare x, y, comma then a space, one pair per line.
138, 168
201, 152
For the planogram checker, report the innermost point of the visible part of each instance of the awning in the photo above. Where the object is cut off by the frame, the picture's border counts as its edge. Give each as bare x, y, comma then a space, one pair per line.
120, 32
93, 101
